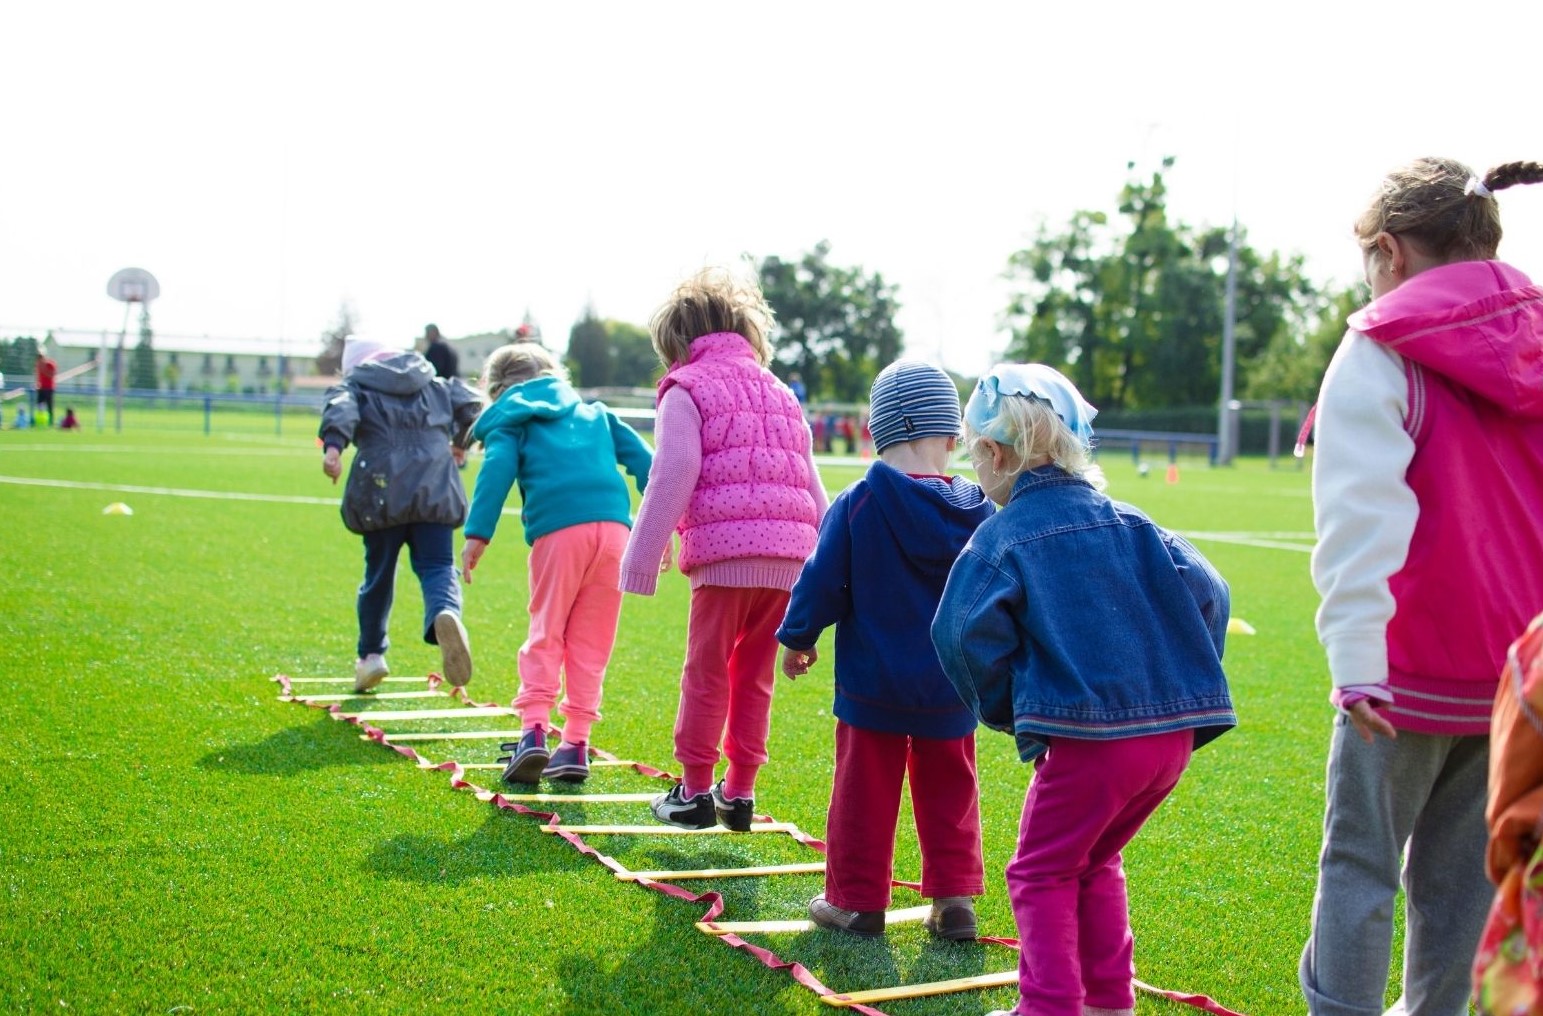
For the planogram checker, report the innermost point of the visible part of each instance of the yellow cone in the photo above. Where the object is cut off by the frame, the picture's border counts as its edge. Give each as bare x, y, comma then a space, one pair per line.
117, 508
1238, 626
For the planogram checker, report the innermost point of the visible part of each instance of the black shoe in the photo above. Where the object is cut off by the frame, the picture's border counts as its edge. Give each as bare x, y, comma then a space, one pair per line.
862, 923
734, 813
676, 809
529, 758
570, 763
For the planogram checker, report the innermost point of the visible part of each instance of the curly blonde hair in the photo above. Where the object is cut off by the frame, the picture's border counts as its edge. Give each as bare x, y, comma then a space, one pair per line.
517, 363
1037, 433
713, 300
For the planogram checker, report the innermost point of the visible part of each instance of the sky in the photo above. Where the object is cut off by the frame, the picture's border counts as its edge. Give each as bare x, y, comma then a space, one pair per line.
468, 163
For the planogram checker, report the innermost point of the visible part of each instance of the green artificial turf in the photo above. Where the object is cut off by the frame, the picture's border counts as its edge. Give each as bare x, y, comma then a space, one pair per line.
176, 840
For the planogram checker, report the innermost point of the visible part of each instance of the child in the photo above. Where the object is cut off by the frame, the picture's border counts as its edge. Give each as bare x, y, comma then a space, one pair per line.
884, 553
1508, 970
403, 489
71, 421
1095, 637
733, 469
1428, 501
575, 508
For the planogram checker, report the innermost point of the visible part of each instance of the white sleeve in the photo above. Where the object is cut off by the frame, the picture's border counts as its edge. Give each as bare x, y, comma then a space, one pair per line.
1363, 508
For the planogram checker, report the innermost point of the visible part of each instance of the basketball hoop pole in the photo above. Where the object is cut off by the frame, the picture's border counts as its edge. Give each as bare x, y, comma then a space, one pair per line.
130, 285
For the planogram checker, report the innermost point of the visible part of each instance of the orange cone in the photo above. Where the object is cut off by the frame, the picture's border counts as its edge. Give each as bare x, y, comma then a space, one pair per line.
1173, 472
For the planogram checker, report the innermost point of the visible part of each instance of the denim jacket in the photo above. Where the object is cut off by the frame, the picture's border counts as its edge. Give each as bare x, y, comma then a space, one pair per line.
1071, 615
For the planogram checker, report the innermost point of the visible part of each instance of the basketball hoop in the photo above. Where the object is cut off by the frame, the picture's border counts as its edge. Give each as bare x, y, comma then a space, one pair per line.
133, 285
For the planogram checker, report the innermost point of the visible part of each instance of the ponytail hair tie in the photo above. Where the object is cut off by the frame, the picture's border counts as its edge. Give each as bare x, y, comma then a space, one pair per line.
1476, 186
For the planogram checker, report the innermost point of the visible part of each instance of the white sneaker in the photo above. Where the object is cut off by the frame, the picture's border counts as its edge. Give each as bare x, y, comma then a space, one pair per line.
454, 648
369, 672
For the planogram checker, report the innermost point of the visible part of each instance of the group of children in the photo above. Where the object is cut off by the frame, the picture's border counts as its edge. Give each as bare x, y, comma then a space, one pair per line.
1026, 600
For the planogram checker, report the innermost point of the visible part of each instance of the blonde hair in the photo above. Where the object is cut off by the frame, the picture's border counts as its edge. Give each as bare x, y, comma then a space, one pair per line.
1430, 202
1037, 433
517, 363
712, 300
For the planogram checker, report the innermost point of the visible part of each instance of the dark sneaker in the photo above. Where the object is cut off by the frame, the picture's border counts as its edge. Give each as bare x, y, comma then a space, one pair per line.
952, 919
570, 763
734, 813
528, 759
454, 648
676, 809
862, 923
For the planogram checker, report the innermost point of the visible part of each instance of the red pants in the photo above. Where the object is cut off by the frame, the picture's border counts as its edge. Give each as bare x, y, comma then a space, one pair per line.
865, 809
726, 686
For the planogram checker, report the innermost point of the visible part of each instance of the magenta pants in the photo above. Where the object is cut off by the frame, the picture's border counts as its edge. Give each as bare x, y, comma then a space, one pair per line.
1066, 883
871, 766
727, 683
575, 600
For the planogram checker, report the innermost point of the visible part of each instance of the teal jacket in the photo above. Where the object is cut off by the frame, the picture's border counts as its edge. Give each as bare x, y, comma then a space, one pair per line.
562, 453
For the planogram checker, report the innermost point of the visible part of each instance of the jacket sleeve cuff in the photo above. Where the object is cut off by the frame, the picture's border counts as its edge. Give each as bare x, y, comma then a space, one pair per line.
1358, 658
641, 583
1346, 698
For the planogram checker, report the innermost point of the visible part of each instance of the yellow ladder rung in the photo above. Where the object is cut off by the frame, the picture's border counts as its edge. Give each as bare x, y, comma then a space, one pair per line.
792, 927
580, 798
810, 868
849, 998
667, 830
452, 735
465, 712
341, 680
373, 696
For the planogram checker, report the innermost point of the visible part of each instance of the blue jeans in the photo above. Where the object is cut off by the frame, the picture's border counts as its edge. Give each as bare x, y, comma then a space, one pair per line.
431, 551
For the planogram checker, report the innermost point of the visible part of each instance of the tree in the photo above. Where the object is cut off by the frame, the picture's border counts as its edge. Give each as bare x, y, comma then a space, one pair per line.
835, 325
330, 360
589, 354
1292, 366
142, 373
18, 358
607, 353
1132, 307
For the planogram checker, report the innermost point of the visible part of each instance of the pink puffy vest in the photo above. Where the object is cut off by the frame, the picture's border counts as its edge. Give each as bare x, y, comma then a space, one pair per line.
752, 496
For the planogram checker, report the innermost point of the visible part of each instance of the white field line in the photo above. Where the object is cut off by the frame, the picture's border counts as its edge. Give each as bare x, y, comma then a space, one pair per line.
129, 488
1265, 541
210, 495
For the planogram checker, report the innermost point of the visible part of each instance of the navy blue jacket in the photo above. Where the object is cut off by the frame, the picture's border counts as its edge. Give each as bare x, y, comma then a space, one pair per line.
883, 556
1073, 615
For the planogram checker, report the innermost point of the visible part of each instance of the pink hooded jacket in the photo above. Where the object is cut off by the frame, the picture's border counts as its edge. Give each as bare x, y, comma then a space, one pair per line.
1469, 336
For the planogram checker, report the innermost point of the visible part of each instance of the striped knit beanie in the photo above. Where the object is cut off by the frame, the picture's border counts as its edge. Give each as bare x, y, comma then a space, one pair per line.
911, 399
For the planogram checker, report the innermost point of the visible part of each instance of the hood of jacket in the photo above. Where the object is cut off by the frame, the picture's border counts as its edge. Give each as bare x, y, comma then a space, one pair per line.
401, 374
1477, 323
922, 507
540, 398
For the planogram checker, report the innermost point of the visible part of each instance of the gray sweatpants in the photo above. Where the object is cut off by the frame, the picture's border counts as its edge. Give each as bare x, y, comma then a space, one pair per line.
1426, 791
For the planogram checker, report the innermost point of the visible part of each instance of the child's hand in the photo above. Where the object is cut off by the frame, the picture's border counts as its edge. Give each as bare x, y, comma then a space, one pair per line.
471, 553
1369, 723
332, 463
459, 455
664, 562
796, 662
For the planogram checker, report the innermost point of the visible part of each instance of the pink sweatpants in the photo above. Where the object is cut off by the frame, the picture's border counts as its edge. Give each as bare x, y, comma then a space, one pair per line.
1067, 884
575, 600
871, 766
727, 683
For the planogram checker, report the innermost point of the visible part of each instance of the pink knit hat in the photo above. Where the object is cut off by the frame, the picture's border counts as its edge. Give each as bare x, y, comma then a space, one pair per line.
359, 349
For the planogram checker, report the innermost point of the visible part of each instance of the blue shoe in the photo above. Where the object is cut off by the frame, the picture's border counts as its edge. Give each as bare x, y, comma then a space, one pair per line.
570, 763
528, 759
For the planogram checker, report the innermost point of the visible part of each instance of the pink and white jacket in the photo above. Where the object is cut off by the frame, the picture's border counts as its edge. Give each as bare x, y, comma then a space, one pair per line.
736, 472
1428, 493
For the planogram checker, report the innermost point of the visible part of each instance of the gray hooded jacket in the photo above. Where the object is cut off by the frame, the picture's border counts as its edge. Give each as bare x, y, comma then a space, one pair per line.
402, 419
